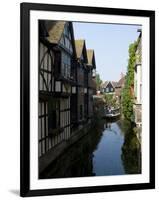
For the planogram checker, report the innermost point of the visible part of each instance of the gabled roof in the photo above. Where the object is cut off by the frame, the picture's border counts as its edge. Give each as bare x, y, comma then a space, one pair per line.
113, 83
90, 53
81, 48
52, 31
55, 30
91, 57
105, 84
79, 44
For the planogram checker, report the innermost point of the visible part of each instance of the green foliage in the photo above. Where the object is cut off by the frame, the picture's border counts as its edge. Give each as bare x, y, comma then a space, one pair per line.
109, 100
98, 81
127, 97
131, 153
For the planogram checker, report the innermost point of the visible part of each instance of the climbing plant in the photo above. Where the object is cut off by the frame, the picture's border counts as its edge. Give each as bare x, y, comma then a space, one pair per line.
127, 95
98, 81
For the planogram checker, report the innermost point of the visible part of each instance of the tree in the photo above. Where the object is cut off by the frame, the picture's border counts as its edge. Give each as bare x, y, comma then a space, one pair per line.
98, 81
127, 96
109, 100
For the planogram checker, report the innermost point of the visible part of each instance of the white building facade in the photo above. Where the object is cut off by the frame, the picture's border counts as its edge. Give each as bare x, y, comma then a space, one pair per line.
138, 84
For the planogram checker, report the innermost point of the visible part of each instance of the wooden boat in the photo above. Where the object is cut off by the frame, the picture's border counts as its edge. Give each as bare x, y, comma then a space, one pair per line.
112, 113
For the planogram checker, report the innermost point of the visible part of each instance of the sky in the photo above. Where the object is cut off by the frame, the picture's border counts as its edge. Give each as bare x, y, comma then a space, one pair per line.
110, 43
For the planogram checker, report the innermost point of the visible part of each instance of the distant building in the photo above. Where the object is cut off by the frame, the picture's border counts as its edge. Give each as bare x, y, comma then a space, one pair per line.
138, 83
86, 84
119, 86
108, 87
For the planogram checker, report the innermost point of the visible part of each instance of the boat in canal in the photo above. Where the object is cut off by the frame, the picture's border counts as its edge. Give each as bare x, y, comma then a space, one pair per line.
112, 113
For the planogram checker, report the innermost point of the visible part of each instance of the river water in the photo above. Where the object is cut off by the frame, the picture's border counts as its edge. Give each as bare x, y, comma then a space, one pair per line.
109, 148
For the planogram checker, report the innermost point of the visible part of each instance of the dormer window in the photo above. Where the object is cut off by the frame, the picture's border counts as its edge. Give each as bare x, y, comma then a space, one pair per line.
66, 30
66, 39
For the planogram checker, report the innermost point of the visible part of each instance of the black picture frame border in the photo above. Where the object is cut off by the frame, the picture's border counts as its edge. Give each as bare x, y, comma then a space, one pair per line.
25, 9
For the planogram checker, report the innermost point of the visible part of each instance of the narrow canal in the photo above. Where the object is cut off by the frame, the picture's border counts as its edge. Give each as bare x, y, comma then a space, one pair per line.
110, 148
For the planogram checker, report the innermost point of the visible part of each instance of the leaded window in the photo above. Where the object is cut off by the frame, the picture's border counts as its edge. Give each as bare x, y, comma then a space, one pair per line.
66, 65
66, 41
43, 128
53, 110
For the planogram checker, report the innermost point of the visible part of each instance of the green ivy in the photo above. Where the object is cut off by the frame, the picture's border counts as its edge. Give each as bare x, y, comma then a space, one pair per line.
127, 98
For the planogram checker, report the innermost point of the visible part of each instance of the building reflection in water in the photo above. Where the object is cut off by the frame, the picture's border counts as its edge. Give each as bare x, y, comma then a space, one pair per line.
77, 161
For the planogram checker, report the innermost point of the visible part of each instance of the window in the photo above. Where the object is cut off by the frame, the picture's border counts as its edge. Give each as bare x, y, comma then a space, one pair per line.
66, 30
43, 128
85, 90
66, 65
53, 118
66, 39
107, 89
73, 90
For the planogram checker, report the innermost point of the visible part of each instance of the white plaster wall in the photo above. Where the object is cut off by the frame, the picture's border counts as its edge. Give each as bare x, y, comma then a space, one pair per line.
138, 78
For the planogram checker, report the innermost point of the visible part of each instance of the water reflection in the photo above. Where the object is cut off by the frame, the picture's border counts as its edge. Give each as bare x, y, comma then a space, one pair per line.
131, 149
110, 148
107, 157
77, 161
131, 154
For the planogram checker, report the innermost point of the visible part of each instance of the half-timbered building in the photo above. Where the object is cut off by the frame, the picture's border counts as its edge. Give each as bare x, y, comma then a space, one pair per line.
91, 80
82, 81
57, 59
66, 88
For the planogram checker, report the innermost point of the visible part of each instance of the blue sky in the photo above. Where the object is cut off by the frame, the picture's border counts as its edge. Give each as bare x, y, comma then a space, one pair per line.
111, 43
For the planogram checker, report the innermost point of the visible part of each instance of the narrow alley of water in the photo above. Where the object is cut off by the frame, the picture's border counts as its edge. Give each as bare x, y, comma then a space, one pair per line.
110, 148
